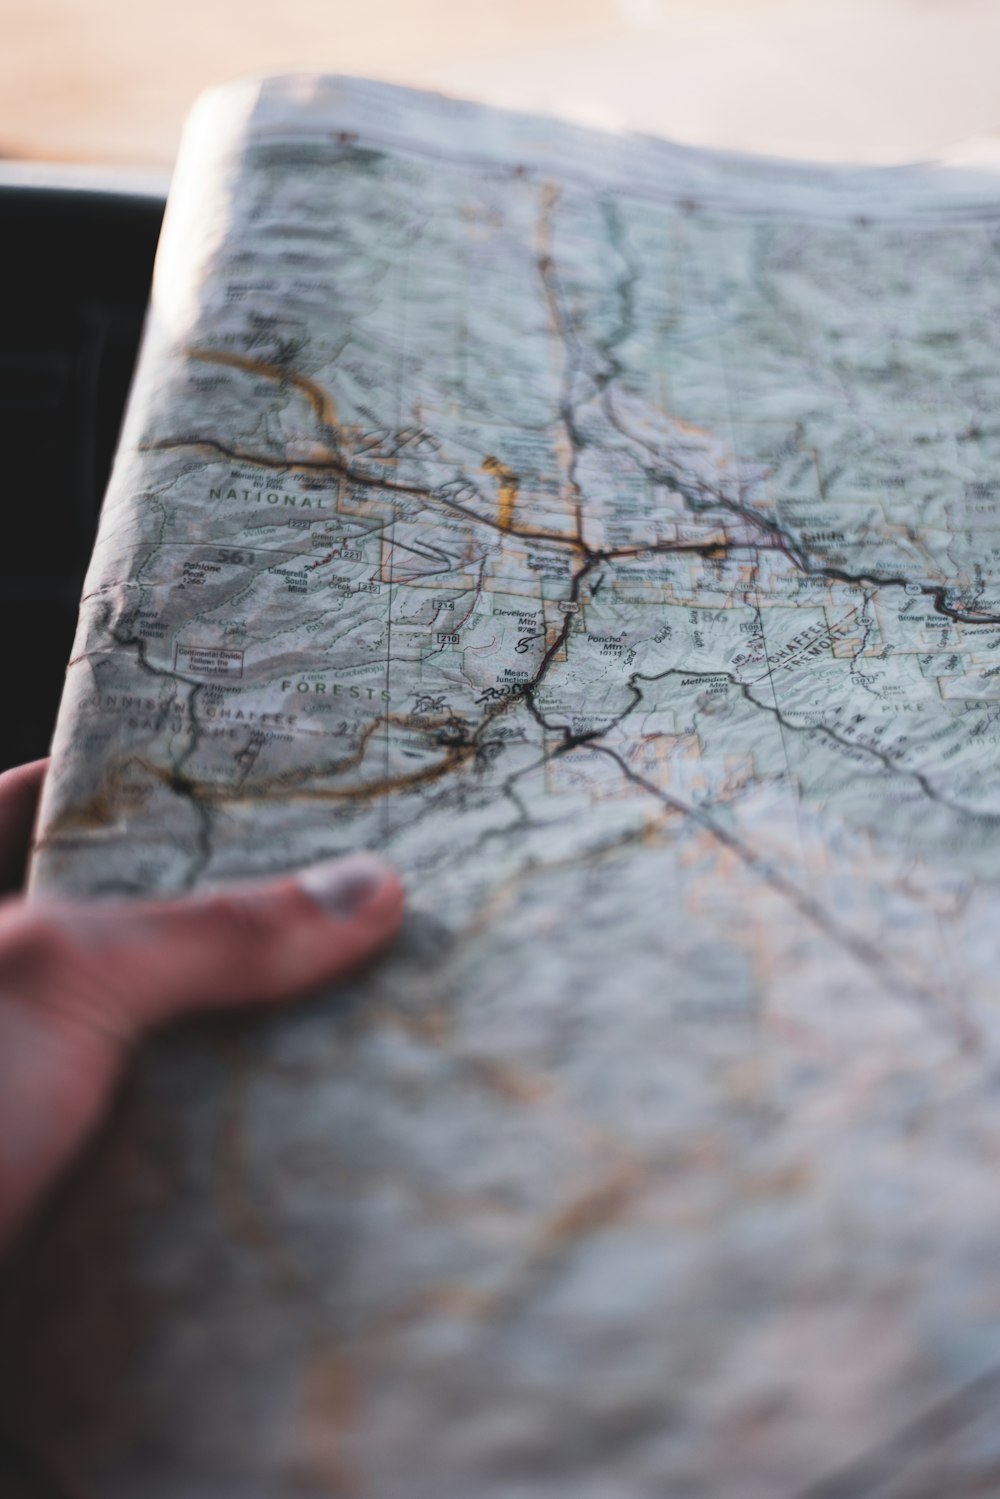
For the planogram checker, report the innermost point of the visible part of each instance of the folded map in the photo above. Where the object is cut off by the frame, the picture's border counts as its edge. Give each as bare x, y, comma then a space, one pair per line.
609, 534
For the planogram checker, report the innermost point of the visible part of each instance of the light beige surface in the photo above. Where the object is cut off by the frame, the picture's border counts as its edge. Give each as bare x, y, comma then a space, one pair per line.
111, 80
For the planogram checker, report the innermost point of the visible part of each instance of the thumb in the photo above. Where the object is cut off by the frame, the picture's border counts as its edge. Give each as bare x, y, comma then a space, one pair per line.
80, 983
128, 968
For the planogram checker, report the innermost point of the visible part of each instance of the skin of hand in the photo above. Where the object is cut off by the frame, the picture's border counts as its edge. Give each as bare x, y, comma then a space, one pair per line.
81, 984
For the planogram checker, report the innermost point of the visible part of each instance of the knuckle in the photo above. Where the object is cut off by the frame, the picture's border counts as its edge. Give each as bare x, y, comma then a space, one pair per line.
253, 933
242, 921
33, 948
43, 967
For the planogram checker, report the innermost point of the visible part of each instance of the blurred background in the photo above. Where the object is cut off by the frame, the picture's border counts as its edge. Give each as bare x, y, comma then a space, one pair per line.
109, 81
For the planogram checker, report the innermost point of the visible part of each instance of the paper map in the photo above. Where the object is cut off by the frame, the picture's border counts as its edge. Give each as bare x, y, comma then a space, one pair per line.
609, 534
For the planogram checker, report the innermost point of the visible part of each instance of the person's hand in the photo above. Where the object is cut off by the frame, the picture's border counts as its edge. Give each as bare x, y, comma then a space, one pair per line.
80, 984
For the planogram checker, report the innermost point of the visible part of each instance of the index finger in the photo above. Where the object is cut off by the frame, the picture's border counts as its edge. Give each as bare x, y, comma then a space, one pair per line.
20, 789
